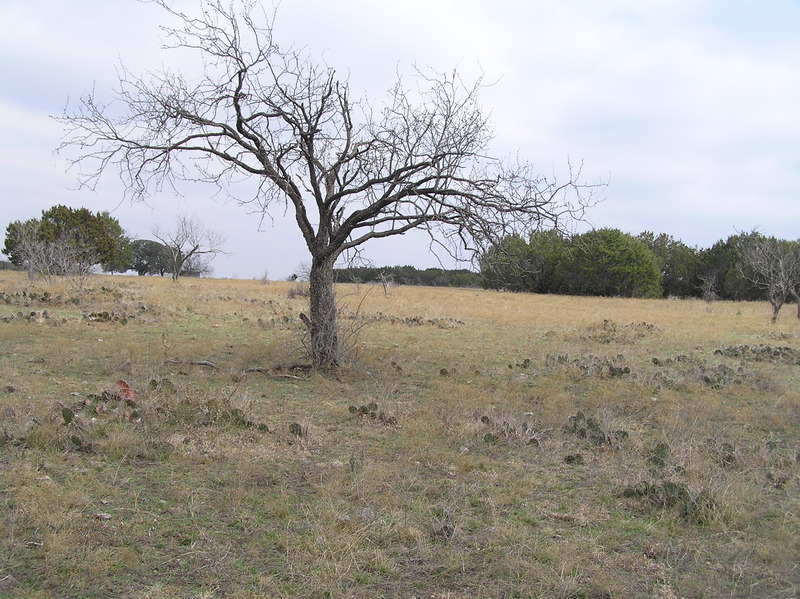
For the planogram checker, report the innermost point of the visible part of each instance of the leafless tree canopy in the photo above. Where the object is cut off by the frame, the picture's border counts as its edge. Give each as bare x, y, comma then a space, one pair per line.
188, 242
774, 266
348, 171
61, 257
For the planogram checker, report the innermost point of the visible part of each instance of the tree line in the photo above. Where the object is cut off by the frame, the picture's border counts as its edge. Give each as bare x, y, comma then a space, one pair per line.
609, 262
68, 242
604, 262
408, 275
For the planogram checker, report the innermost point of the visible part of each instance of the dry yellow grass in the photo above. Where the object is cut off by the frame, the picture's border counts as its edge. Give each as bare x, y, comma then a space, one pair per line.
522, 459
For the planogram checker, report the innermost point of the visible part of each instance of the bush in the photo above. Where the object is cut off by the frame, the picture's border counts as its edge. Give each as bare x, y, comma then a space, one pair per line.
609, 262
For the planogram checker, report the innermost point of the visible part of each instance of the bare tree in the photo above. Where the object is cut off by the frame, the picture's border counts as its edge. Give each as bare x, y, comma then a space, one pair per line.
774, 266
188, 242
197, 266
347, 171
708, 288
51, 259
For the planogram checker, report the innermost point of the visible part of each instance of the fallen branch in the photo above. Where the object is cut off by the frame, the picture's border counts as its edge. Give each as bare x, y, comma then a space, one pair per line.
272, 376
194, 363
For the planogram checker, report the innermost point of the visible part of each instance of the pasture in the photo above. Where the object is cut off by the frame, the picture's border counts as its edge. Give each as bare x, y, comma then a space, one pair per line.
475, 444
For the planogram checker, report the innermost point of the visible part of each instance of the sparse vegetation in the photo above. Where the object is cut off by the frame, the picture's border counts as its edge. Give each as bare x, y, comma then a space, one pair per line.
164, 441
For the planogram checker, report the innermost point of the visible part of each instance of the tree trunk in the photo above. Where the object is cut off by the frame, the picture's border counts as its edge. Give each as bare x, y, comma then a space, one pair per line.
777, 302
775, 310
323, 328
796, 297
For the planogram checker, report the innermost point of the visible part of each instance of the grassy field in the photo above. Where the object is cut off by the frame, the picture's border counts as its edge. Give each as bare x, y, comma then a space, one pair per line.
475, 445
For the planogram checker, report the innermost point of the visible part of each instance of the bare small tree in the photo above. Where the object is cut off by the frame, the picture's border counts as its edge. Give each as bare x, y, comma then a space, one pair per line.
386, 281
51, 259
347, 171
188, 242
708, 288
774, 266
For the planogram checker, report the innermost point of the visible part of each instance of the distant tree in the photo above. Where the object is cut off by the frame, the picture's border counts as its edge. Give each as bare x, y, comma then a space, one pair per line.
463, 278
99, 233
535, 266
348, 171
506, 265
149, 257
548, 252
609, 262
408, 275
113, 246
197, 266
722, 273
678, 264
48, 258
94, 238
187, 242
16, 233
772, 265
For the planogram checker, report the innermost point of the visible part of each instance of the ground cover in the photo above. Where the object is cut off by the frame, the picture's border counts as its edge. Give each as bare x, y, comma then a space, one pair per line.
162, 440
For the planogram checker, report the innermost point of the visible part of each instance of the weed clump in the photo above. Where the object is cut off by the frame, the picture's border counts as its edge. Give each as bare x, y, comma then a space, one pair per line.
521, 432
574, 459
106, 316
589, 365
589, 428
700, 507
30, 297
694, 507
721, 376
723, 454
409, 321
300, 290
610, 332
761, 353
370, 412
682, 370
193, 408
658, 456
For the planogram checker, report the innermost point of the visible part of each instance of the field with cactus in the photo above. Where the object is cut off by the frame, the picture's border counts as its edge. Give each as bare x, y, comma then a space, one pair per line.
163, 441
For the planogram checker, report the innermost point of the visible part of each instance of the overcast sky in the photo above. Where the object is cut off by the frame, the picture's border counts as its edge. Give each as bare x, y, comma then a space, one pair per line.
690, 109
